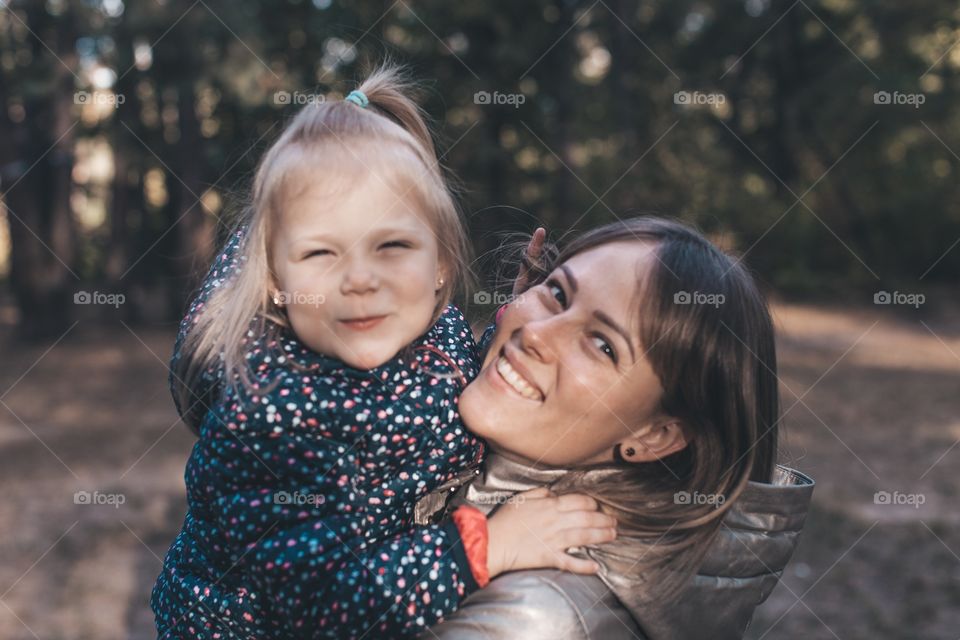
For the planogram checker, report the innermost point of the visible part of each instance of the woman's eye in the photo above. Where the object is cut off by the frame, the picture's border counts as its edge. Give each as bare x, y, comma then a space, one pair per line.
396, 244
557, 292
605, 347
318, 252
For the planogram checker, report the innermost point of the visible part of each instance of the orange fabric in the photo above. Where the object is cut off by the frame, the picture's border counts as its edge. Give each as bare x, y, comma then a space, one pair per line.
472, 525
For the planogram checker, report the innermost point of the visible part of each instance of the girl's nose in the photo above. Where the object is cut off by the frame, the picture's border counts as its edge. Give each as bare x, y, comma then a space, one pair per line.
359, 279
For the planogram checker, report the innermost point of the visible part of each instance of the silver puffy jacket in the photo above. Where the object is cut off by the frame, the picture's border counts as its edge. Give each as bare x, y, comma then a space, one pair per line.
741, 568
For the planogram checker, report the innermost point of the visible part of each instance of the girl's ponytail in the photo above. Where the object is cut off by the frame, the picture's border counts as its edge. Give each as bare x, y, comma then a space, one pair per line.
391, 93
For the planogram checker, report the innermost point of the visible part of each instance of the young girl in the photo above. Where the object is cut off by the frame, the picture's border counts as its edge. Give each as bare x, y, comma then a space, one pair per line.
320, 367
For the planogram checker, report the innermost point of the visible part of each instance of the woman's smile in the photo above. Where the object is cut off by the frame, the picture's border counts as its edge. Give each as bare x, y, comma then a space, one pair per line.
509, 377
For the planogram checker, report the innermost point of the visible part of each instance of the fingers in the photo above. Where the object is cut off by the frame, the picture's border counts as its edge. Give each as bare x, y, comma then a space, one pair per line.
536, 243
594, 519
576, 502
539, 492
566, 562
533, 251
580, 537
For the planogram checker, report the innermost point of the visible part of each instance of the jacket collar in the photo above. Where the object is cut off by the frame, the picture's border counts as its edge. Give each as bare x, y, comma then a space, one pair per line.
758, 536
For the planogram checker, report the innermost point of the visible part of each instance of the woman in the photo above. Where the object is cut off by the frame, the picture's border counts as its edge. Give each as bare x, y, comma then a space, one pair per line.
639, 369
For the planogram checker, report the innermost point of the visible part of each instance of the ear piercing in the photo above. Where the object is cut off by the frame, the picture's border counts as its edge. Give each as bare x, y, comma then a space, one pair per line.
630, 452
440, 283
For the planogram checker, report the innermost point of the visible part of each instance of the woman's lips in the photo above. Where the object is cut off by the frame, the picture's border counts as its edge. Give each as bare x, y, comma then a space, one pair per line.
363, 324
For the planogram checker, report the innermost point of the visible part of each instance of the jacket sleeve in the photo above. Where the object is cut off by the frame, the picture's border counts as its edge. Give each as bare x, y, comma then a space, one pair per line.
308, 552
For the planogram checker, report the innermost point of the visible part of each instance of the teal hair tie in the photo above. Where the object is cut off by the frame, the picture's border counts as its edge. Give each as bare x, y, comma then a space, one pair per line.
358, 98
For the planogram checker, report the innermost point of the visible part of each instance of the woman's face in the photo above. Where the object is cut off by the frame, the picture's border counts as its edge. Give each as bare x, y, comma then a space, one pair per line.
566, 377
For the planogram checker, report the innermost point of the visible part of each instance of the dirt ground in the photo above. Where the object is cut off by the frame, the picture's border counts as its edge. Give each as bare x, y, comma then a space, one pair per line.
873, 404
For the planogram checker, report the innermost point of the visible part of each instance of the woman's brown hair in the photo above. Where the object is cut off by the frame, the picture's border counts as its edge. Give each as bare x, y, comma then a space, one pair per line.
708, 335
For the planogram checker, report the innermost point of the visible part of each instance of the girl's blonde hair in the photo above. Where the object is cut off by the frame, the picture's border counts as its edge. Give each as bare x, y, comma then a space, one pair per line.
327, 143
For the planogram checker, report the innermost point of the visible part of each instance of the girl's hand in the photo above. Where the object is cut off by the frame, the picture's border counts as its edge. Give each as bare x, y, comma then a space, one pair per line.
532, 255
535, 528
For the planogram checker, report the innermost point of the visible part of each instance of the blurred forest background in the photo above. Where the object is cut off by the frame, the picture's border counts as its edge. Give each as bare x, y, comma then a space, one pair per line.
129, 128
818, 138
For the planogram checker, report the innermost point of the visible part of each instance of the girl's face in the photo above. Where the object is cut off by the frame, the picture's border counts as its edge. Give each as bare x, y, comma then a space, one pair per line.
566, 378
358, 275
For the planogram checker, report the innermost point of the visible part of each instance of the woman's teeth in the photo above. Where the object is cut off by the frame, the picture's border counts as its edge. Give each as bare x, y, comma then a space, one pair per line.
515, 380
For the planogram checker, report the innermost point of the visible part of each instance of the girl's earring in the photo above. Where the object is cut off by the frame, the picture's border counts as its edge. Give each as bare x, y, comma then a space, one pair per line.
276, 299
440, 283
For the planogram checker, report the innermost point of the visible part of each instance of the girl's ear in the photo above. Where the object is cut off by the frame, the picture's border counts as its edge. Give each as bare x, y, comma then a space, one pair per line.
654, 442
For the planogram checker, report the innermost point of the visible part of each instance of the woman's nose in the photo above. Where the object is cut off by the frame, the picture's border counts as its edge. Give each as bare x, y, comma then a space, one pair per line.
540, 338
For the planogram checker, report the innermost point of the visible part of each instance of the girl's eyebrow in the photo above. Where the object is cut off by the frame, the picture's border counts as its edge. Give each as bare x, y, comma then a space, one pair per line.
600, 315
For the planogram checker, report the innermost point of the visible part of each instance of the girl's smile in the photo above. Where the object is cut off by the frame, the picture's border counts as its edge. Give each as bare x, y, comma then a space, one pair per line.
363, 324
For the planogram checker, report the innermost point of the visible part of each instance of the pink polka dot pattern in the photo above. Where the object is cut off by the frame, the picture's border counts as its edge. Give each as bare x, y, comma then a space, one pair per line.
301, 491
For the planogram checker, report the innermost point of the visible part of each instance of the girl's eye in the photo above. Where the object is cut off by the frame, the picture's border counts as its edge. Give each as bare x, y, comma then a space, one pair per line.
605, 347
396, 244
318, 252
557, 292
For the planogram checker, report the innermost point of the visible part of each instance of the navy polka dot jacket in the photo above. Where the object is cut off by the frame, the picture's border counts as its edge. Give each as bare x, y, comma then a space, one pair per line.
301, 493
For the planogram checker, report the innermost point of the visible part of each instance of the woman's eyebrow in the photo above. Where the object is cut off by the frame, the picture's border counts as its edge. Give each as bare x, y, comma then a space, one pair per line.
600, 315
570, 278
607, 320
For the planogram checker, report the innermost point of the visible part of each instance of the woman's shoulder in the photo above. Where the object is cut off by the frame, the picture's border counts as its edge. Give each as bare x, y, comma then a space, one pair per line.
543, 603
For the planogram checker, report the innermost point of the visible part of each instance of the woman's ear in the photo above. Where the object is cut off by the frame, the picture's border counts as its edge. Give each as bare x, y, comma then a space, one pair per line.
653, 442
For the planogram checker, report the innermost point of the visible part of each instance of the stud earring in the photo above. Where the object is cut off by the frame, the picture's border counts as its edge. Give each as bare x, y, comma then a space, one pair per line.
440, 283
630, 452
